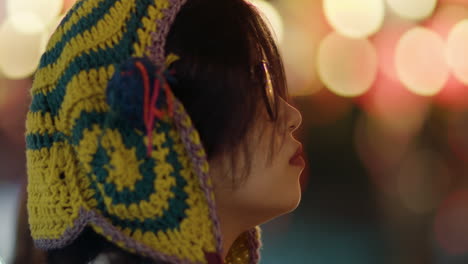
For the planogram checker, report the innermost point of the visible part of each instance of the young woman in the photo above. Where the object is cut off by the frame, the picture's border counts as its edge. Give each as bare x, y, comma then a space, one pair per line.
160, 132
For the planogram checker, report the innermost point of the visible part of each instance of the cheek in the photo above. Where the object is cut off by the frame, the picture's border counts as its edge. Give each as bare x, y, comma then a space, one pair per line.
276, 182
278, 174
271, 188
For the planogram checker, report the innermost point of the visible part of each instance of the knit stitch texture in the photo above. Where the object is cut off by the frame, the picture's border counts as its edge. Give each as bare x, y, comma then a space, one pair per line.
95, 157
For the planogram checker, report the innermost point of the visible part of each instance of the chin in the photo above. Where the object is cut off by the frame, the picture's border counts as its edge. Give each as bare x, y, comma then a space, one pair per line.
294, 203
276, 208
291, 203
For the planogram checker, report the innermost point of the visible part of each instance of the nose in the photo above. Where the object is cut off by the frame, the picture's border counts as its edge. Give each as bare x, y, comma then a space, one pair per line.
293, 117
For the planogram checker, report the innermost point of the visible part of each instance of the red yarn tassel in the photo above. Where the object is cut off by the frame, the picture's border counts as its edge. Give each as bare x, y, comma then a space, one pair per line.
150, 109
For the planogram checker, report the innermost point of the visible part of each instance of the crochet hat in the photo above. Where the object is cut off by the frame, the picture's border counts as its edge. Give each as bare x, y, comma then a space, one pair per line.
110, 147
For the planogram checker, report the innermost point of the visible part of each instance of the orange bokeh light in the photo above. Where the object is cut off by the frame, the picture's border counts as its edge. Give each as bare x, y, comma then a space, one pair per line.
67, 4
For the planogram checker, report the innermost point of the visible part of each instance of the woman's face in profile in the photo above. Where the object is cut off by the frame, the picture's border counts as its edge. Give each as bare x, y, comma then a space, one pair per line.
272, 186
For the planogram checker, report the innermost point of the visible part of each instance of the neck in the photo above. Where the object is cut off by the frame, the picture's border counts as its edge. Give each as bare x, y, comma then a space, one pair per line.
231, 229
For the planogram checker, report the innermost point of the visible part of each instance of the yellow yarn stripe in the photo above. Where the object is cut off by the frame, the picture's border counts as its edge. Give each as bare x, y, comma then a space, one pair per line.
81, 12
96, 104
48, 194
124, 165
90, 85
149, 26
157, 201
40, 123
163, 183
107, 33
197, 222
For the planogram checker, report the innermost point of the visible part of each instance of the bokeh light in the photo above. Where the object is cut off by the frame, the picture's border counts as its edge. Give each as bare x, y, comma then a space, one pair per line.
2, 10
19, 56
306, 26
46, 10
386, 40
50, 31
445, 18
395, 106
347, 66
420, 61
67, 4
355, 18
413, 9
454, 95
27, 22
450, 225
414, 152
299, 62
272, 17
456, 51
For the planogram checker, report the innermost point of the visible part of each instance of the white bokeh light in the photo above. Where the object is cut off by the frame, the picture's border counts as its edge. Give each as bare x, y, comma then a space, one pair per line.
348, 67
10, 197
456, 51
27, 22
413, 9
420, 62
19, 56
46, 10
355, 18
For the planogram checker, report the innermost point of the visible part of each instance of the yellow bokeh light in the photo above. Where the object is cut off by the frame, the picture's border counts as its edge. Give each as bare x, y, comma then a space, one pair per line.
413, 9
300, 61
50, 31
457, 53
272, 18
46, 10
420, 62
355, 18
27, 22
19, 56
348, 67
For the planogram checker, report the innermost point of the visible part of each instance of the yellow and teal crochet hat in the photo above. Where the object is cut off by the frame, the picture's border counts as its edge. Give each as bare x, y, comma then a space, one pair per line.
109, 146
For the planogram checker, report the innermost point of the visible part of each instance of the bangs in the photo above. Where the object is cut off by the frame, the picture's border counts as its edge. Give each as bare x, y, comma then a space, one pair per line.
219, 43
265, 49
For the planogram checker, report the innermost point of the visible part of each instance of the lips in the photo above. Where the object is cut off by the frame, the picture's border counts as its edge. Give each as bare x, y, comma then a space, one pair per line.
297, 159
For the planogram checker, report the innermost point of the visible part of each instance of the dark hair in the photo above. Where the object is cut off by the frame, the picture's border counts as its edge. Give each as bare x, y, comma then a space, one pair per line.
88, 246
221, 44
220, 82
